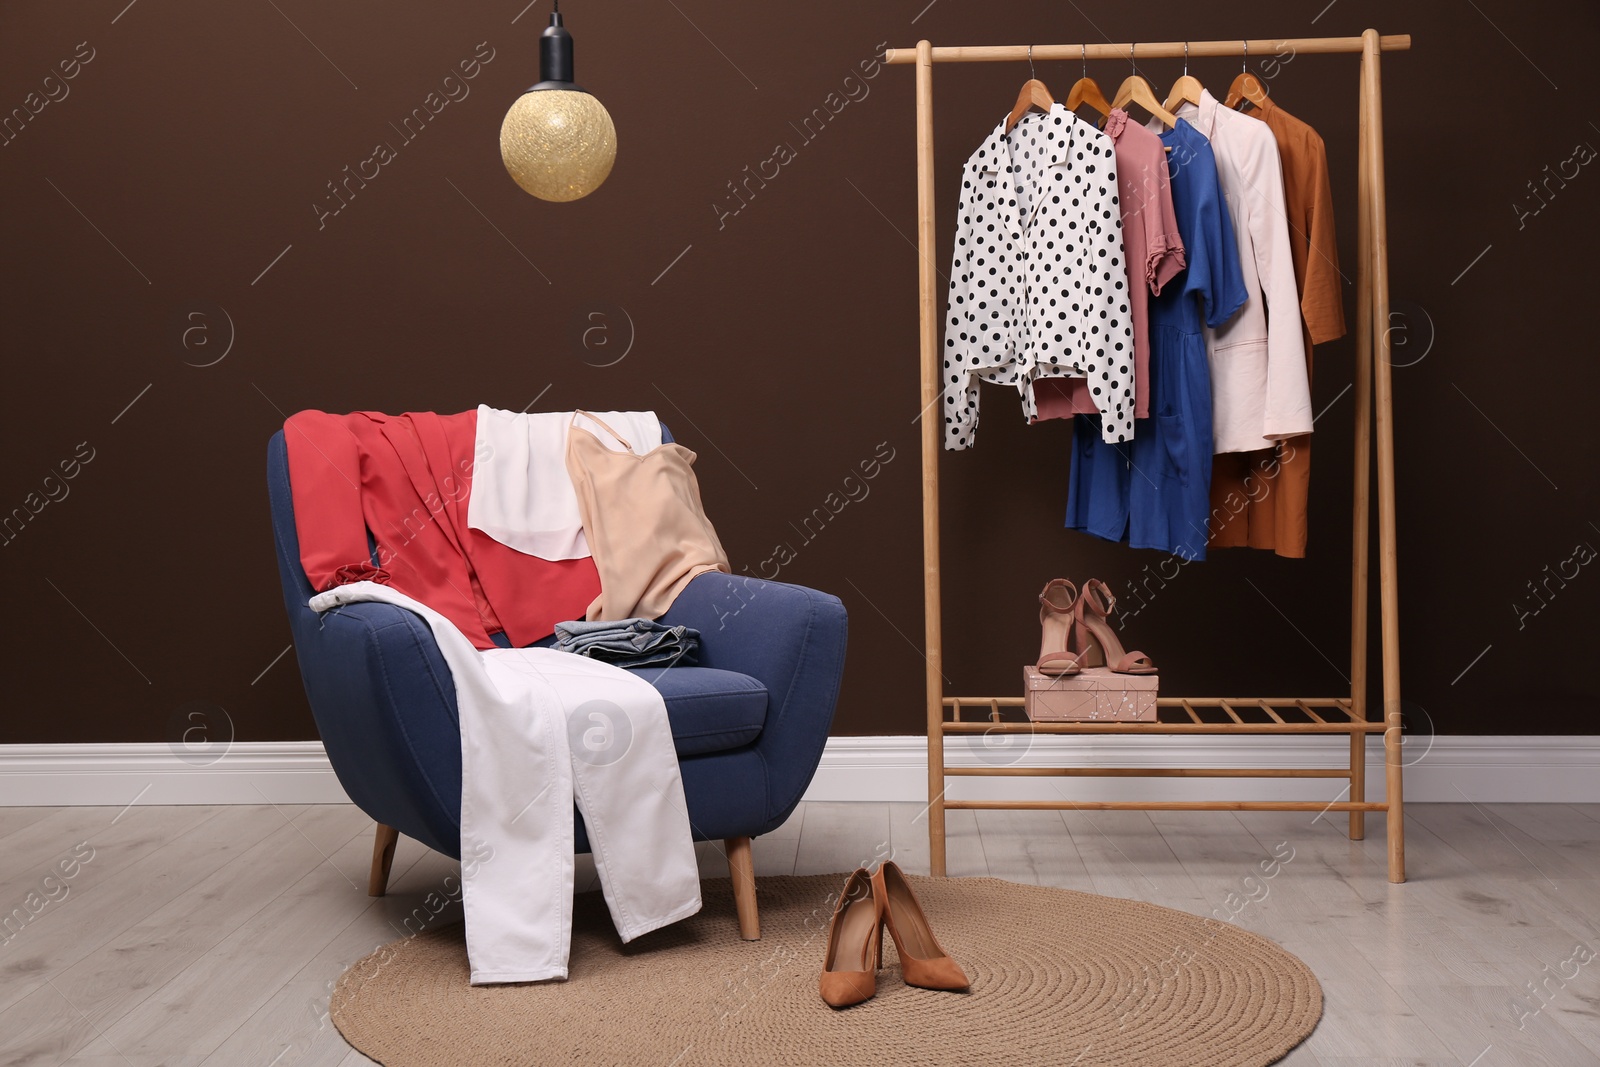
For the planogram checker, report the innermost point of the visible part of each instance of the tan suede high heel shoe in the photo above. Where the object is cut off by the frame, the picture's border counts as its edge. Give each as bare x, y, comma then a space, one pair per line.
922, 961
855, 943
1098, 644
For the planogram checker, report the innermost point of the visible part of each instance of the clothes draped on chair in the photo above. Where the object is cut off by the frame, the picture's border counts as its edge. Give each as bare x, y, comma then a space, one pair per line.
540, 728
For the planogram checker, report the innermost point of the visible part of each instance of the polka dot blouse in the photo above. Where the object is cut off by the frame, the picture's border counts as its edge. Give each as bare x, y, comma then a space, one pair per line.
1039, 283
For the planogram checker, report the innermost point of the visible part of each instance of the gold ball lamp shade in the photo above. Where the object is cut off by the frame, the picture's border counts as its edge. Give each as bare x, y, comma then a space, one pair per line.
557, 141
558, 144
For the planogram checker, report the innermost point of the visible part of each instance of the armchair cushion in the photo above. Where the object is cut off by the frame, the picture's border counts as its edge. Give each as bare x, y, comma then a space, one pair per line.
709, 710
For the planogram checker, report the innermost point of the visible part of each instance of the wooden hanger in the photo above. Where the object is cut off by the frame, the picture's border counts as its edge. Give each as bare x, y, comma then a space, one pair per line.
1246, 86
1135, 90
1033, 94
1087, 90
1186, 89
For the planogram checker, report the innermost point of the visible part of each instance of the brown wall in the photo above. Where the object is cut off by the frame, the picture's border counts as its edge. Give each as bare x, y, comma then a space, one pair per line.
781, 343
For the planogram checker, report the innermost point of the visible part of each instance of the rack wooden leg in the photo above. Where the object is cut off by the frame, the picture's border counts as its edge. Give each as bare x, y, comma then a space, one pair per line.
1358, 784
743, 873
1393, 780
1388, 577
382, 859
1361, 511
932, 427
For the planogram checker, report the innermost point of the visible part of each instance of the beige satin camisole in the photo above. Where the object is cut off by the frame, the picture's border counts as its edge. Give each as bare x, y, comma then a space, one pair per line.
644, 522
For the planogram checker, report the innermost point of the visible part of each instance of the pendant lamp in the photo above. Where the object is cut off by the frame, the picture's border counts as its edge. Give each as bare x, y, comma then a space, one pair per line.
557, 141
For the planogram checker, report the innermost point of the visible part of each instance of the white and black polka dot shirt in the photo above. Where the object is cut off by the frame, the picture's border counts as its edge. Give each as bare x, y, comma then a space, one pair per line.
1039, 282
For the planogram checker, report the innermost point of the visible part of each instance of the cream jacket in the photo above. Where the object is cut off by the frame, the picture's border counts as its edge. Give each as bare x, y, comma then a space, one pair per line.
1260, 392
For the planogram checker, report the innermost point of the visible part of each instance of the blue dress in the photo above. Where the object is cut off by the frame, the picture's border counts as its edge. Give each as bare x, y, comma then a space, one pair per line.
1155, 491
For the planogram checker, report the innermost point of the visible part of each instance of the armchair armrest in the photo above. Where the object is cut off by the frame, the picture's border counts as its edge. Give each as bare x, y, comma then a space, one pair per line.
385, 705
792, 640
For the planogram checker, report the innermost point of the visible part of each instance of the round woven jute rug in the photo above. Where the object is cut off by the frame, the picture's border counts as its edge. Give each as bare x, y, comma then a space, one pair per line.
1058, 977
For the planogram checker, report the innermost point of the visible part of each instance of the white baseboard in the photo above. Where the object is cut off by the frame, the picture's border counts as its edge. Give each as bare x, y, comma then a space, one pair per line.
249, 772
1493, 769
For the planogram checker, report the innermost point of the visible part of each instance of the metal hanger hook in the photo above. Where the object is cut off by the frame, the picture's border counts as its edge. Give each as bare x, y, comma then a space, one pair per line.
1031, 74
1244, 64
1186, 59
1085, 49
1131, 62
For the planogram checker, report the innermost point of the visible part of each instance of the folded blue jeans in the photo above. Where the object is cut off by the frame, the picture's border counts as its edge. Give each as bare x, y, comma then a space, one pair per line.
630, 642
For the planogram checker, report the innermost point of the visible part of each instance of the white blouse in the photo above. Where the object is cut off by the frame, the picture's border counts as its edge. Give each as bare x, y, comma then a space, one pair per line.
521, 493
1039, 281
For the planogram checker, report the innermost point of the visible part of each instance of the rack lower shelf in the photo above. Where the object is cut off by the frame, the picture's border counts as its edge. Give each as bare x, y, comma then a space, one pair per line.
1169, 805
1183, 715
1176, 715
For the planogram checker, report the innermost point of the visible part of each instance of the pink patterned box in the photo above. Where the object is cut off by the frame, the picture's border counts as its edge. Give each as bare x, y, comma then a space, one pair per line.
1094, 694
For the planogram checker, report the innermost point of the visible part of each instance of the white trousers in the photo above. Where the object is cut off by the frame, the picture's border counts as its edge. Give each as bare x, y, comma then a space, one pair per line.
541, 729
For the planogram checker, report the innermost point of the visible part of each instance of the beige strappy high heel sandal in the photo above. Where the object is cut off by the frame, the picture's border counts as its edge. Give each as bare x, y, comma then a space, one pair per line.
1099, 644
1056, 604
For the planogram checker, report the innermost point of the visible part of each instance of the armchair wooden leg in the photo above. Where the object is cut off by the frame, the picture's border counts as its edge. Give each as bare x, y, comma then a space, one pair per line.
382, 858
743, 873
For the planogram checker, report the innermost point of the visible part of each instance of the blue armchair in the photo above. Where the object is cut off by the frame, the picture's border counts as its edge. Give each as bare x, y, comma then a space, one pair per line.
748, 723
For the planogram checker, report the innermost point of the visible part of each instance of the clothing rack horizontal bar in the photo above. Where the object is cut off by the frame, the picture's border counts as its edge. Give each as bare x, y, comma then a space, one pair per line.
1266, 47
1134, 726
1167, 805
1304, 703
1149, 772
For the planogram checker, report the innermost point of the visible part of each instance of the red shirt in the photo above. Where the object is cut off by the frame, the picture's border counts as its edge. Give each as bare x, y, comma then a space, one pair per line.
407, 479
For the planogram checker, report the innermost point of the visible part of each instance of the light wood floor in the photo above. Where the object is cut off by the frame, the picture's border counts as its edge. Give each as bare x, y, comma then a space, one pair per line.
212, 935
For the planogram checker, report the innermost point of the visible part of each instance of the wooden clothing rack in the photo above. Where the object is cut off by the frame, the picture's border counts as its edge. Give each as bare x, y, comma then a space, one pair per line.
1373, 392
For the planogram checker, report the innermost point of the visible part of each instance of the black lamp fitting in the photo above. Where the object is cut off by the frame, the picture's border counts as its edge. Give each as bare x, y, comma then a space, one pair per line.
555, 57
